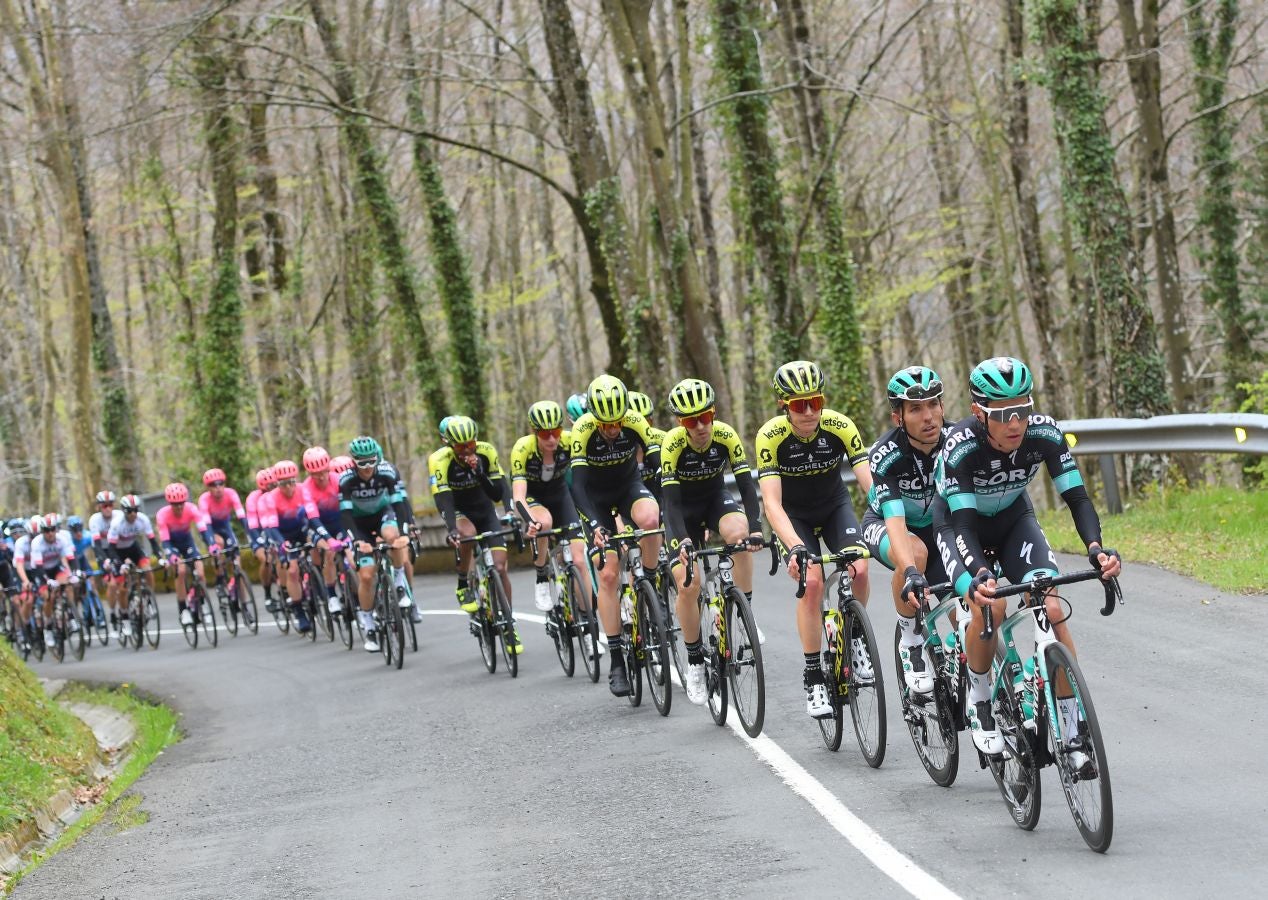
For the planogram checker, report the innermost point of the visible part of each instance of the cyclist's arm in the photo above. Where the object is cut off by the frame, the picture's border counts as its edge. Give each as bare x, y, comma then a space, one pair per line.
445, 506
580, 468
885, 498
773, 503
672, 510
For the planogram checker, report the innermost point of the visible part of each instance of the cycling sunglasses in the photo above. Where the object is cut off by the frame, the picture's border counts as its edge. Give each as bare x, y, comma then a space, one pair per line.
465, 447
216, 484
704, 418
1006, 414
366, 463
806, 404
286, 482
549, 432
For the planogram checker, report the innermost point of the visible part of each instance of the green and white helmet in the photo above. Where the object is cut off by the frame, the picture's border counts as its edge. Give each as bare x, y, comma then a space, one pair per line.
913, 383
365, 447
691, 396
1000, 378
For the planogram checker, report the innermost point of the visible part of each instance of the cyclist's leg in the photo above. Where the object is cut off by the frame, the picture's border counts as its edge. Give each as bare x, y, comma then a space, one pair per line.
464, 592
841, 530
687, 608
642, 511
607, 578
541, 513
730, 524
809, 612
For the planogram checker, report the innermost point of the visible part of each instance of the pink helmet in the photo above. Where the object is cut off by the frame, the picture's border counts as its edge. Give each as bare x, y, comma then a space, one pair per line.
316, 459
265, 479
212, 475
340, 464
285, 468
176, 493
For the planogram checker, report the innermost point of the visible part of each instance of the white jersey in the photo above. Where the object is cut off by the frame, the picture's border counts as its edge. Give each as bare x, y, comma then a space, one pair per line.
50, 554
22, 551
123, 534
99, 527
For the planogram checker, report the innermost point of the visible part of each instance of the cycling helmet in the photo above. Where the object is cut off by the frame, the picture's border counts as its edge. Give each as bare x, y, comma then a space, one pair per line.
74, 522
16, 528
443, 428
285, 468
35, 525
176, 493
606, 399
576, 406
213, 475
691, 396
264, 478
105, 497
545, 415
800, 378
340, 464
640, 403
52, 522
364, 447
462, 430
1000, 378
130, 503
913, 383
316, 459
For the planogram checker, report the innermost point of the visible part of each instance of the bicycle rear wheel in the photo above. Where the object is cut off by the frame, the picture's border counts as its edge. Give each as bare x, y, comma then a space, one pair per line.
717, 691
867, 695
587, 623
207, 614
930, 722
149, 623
506, 625
1016, 770
1087, 788
226, 611
655, 647
245, 594
745, 671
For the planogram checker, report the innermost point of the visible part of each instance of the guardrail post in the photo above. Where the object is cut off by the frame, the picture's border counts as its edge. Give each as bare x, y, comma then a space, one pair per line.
1109, 476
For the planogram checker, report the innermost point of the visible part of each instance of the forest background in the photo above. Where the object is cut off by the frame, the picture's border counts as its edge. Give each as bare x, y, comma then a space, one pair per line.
231, 230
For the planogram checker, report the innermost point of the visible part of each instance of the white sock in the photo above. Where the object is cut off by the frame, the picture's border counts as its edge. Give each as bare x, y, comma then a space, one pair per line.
1069, 715
367, 619
979, 686
907, 632
400, 577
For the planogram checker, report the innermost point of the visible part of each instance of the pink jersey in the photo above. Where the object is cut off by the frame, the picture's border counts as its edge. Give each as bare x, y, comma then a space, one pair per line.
284, 513
174, 528
254, 500
322, 502
219, 511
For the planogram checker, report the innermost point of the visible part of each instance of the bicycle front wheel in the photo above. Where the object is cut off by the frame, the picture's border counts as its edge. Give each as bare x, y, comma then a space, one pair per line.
1079, 753
745, 671
867, 690
655, 647
633, 663
77, 633
505, 625
482, 625
673, 631
714, 640
587, 623
96, 617
150, 621
207, 615
245, 594
930, 722
226, 611
393, 627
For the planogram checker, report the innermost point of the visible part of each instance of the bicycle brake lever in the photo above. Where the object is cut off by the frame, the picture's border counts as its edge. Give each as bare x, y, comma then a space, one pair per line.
802, 565
988, 624
774, 557
691, 568
1112, 592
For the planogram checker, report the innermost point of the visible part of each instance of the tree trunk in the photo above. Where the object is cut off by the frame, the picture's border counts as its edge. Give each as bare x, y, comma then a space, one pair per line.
1138, 385
372, 182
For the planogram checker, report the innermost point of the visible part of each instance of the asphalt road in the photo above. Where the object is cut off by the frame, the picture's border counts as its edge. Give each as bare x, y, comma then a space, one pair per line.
307, 771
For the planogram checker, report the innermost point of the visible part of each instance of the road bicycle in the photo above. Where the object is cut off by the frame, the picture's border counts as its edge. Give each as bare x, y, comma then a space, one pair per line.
732, 651
645, 642
281, 606
234, 593
493, 622
849, 641
15, 630
202, 613
66, 624
388, 618
141, 612
572, 613
1025, 694
92, 612
936, 719
346, 622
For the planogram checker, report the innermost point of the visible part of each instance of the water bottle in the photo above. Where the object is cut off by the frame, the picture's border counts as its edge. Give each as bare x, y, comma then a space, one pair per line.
627, 607
951, 652
1028, 696
830, 626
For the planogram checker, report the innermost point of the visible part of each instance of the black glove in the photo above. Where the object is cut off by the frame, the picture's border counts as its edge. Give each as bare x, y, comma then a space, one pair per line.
452, 538
979, 580
915, 584
1094, 552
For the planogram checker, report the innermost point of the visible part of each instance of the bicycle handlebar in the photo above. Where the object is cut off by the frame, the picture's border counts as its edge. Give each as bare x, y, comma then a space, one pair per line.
846, 557
1040, 583
729, 550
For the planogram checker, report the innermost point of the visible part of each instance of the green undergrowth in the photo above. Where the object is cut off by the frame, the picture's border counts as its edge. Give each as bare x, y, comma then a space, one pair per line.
43, 748
1216, 535
157, 727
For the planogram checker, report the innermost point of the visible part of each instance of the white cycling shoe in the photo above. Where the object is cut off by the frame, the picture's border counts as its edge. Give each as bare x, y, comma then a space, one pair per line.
371, 642
986, 736
541, 597
861, 662
696, 691
817, 705
917, 669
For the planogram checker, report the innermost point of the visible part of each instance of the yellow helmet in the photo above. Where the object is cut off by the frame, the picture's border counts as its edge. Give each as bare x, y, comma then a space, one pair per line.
691, 396
545, 415
462, 429
799, 378
608, 398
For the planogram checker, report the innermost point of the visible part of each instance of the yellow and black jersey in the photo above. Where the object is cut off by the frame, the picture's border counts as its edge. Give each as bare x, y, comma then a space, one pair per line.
528, 465
651, 461
700, 471
615, 461
810, 467
458, 488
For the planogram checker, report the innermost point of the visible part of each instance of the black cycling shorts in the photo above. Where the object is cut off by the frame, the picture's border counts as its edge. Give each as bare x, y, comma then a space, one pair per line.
1013, 537
838, 527
622, 502
697, 515
563, 512
485, 518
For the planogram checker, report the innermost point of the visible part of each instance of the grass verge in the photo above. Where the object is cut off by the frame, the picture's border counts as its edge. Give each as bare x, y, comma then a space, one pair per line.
1215, 535
156, 728
43, 748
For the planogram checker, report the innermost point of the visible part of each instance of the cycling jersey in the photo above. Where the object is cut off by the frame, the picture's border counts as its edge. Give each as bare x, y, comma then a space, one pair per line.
220, 513
253, 514
82, 543
288, 516
810, 468
650, 466
99, 531
177, 531
321, 502
471, 492
124, 534
690, 477
903, 478
52, 555
22, 551
602, 470
380, 497
528, 465
974, 479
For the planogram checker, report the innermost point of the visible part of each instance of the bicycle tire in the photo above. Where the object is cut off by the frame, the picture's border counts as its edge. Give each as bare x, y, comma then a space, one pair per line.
633, 664
77, 636
669, 599
247, 607
506, 623
207, 613
348, 619
226, 611
94, 612
151, 622
37, 640
1016, 770
321, 600
587, 623
482, 625
745, 671
867, 696
308, 588
713, 639
407, 618
832, 728
190, 631
656, 664
393, 627
281, 609
1093, 807
930, 723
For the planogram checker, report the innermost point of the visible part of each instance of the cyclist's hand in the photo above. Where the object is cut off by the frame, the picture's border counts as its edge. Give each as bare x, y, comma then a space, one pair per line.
1108, 561
531, 529
452, 539
914, 588
107, 567
796, 558
684, 551
215, 549
334, 545
600, 538
755, 542
363, 547
981, 589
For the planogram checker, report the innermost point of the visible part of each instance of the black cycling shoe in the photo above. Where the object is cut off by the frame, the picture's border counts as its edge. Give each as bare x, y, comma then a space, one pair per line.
619, 682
